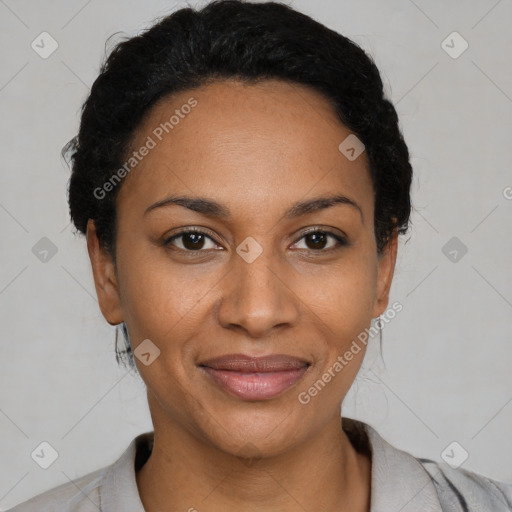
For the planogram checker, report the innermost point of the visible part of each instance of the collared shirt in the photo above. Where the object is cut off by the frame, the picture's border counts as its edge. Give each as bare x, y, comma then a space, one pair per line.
400, 482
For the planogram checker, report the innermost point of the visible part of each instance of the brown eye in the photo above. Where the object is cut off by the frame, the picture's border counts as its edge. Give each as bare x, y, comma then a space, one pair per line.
192, 240
318, 240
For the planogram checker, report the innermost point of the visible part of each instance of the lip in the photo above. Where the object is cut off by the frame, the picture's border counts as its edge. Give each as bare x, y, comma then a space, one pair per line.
255, 378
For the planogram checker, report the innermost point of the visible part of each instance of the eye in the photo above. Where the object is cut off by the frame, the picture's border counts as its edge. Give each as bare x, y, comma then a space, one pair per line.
192, 240
195, 240
318, 240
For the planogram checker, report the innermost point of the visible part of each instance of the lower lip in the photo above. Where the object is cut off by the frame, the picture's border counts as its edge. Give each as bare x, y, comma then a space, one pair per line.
255, 386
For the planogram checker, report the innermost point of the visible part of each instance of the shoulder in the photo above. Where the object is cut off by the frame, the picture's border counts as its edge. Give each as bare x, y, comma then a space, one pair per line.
461, 489
112, 487
81, 495
401, 481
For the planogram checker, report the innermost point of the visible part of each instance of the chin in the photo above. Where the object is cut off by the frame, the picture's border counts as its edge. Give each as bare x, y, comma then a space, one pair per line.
254, 433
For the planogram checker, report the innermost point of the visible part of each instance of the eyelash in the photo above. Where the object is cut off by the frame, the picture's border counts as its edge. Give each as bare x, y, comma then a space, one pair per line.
341, 241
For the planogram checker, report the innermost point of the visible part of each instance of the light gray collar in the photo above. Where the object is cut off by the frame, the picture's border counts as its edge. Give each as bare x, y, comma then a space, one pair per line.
399, 481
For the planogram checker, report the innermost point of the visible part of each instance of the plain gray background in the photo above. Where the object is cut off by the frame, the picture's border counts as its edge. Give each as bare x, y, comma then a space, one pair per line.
447, 374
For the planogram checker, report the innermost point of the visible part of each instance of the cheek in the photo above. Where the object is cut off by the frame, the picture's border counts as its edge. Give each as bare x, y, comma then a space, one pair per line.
341, 306
341, 297
162, 299
164, 304
156, 294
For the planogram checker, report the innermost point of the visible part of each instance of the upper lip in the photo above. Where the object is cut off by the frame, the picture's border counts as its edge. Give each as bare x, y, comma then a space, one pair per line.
245, 363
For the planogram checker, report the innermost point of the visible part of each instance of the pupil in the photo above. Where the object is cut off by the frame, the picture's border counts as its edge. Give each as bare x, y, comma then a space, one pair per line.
195, 237
315, 236
195, 240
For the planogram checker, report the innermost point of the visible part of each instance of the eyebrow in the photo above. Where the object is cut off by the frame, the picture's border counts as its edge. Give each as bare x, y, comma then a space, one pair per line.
211, 208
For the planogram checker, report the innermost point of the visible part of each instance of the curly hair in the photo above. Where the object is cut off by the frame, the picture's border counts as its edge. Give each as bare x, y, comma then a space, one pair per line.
251, 42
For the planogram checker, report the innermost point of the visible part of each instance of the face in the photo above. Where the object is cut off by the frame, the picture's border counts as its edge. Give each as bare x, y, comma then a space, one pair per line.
260, 275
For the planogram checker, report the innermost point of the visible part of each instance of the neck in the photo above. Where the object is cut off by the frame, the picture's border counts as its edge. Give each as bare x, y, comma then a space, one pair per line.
186, 473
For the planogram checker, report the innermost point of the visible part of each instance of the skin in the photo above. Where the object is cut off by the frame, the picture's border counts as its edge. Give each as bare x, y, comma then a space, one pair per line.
257, 150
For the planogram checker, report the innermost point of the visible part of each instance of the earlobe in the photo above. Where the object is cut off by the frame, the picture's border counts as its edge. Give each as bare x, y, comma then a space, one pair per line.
386, 268
105, 280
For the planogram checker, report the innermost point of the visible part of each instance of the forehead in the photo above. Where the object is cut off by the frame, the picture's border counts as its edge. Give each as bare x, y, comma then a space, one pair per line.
246, 145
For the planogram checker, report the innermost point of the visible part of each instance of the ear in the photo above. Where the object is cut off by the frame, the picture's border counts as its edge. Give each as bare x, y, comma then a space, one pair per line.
386, 267
105, 279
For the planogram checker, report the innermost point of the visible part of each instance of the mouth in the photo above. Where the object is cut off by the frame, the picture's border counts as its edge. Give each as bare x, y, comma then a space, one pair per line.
255, 378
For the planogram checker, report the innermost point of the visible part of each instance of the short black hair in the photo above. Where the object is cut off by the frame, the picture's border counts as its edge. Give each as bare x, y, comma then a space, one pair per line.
249, 41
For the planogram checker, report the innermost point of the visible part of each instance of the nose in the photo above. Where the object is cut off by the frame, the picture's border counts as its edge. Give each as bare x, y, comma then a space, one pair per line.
258, 297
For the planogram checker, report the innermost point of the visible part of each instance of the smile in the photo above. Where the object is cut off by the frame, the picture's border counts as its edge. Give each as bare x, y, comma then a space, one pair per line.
255, 386
251, 378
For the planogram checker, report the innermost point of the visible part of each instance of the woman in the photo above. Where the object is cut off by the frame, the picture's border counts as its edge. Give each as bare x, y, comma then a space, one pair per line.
242, 183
